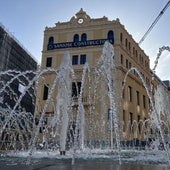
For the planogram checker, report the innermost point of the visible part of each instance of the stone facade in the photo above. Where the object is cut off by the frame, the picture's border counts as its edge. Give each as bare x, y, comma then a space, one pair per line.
84, 37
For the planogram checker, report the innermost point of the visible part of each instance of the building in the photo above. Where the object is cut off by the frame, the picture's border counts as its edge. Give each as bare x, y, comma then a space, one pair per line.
13, 56
84, 38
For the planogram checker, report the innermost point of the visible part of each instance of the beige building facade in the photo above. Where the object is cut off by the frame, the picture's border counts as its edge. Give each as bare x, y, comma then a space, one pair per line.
83, 37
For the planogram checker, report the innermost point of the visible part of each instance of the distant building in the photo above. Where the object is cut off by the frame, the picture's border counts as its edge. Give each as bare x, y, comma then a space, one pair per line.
13, 56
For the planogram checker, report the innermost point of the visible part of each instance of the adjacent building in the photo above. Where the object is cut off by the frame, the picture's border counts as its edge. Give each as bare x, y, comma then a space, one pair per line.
13, 56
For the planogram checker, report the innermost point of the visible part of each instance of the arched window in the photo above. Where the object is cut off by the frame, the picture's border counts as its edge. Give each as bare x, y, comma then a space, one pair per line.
76, 38
84, 37
51, 40
110, 36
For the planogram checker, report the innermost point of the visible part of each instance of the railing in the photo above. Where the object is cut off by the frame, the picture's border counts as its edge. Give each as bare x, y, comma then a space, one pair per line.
84, 100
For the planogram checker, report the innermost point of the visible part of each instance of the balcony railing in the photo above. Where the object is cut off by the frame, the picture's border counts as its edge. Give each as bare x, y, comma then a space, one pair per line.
84, 100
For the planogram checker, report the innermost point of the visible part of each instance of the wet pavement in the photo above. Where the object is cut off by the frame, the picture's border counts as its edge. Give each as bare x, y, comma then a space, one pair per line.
83, 166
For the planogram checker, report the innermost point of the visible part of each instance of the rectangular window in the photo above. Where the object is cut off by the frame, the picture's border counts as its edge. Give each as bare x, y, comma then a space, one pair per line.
123, 92
76, 88
131, 122
127, 64
129, 46
137, 98
126, 43
124, 121
136, 54
121, 58
45, 95
74, 59
131, 118
133, 51
83, 59
149, 102
130, 93
139, 125
144, 101
49, 62
121, 37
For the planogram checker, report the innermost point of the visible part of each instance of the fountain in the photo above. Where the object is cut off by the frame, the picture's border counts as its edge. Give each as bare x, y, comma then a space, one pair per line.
77, 130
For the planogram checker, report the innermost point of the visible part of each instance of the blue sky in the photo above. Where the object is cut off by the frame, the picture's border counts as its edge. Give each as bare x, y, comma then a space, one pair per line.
27, 19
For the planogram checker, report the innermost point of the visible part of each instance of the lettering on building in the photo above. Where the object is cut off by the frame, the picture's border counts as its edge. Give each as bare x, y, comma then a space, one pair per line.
78, 44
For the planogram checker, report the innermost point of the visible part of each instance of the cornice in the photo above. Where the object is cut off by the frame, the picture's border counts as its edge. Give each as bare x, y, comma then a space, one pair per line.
86, 21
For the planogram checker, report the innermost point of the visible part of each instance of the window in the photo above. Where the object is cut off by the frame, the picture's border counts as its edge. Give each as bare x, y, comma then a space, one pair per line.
133, 50
129, 46
45, 95
74, 59
123, 115
83, 59
76, 88
121, 58
124, 121
146, 64
110, 36
139, 124
49, 62
137, 98
140, 57
126, 42
131, 122
136, 54
110, 114
130, 93
144, 101
127, 64
84, 37
76, 38
51, 40
123, 92
121, 37
131, 118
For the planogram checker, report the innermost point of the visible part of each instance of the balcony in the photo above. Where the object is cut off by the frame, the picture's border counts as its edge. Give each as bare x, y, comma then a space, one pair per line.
84, 100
